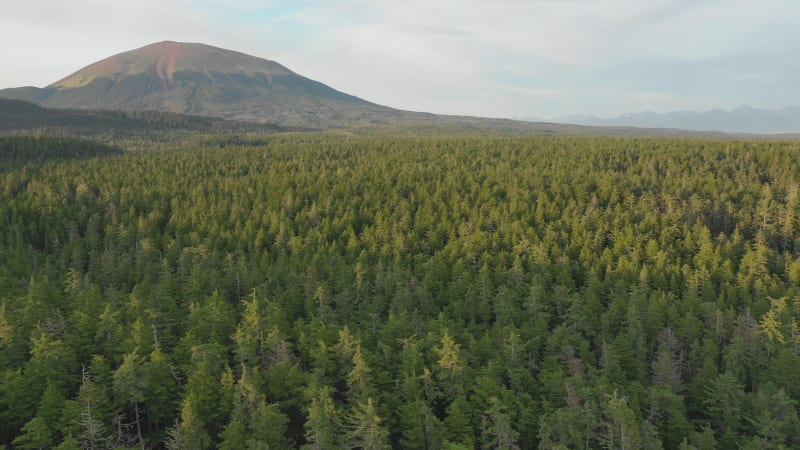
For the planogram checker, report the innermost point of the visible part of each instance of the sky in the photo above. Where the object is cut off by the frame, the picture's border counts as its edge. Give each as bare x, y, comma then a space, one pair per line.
495, 58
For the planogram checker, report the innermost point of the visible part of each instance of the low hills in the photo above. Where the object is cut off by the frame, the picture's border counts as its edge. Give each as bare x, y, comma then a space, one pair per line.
19, 117
744, 119
23, 149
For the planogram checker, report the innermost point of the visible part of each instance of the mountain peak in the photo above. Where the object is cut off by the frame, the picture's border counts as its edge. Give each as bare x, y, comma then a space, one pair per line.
161, 60
201, 79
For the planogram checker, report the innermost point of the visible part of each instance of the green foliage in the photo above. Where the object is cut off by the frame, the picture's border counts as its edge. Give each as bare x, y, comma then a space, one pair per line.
35, 435
364, 429
331, 291
191, 434
21, 149
322, 427
421, 429
725, 404
19, 115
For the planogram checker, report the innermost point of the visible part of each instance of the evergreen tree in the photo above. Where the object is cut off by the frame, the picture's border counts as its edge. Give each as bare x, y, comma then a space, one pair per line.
191, 434
322, 428
364, 430
497, 432
724, 405
421, 429
457, 422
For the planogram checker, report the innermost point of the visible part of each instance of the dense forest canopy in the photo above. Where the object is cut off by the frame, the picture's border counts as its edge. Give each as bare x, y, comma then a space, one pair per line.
135, 130
16, 150
332, 292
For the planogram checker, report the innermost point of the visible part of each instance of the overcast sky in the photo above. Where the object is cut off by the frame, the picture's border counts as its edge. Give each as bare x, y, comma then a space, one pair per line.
500, 58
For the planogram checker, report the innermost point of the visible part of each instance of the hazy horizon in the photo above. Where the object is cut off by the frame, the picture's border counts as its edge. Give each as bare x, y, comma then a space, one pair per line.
541, 58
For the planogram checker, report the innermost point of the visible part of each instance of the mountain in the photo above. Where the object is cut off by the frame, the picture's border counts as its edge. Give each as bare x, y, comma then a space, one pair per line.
203, 80
744, 119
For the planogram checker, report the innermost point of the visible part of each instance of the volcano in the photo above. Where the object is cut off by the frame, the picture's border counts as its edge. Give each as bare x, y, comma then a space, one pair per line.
204, 80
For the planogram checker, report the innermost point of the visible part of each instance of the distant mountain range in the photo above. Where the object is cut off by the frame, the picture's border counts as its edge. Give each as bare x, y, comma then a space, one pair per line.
744, 119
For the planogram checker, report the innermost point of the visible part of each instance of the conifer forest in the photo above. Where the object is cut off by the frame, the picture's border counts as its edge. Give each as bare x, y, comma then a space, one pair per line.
327, 291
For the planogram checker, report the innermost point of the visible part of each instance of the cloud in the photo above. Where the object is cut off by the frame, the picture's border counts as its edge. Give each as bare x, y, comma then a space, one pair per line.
53, 39
478, 57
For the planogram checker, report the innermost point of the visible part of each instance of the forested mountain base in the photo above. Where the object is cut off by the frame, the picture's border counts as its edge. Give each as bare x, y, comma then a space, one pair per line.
18, 150
136, 130
323, 292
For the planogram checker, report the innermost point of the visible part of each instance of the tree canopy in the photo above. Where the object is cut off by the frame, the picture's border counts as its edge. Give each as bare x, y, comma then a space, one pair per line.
333, 291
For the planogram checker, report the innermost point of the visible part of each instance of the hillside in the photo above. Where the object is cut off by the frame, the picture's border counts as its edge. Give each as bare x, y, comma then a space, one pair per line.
19, 116
203, 80
23, 149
